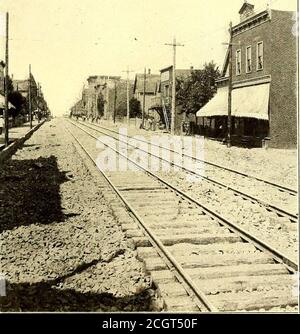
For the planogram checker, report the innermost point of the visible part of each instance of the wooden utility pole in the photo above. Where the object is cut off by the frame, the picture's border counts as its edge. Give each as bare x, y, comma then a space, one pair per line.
144, 99
128, 106
229, 119
6, 119
115, 102
29, 98
173, 112
38, 102
106, 106
96, 102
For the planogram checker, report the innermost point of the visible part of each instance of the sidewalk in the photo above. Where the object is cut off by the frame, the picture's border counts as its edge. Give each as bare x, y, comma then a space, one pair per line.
16, 132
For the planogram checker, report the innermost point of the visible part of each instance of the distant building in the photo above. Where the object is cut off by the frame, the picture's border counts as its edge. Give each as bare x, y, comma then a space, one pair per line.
163, 98
264, 95
105, 85
113, 91
22, 86
148, 83
77, 109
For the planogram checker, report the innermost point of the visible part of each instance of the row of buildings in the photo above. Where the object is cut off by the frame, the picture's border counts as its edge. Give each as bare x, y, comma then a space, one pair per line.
38, 103
263, 85
101, 98
153, 91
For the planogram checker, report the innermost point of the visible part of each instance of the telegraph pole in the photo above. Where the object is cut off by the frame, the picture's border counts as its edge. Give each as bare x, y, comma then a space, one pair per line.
96, 102
173, 112
115, 101
144, 99
106, 106
229, 119
29, 98
128, 106
6, 119
38, 102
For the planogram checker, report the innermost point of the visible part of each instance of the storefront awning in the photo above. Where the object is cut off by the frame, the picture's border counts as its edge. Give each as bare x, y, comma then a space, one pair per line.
217, 106
251, 102
2, 103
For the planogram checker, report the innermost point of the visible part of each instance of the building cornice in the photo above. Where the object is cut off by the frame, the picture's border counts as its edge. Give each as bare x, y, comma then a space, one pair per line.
247, 82
166, 69
222, 79
252, 82
252, 22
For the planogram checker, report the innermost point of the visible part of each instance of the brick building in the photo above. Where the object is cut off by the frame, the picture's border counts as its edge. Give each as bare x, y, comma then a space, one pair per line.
106, 85
112, 90
264, 77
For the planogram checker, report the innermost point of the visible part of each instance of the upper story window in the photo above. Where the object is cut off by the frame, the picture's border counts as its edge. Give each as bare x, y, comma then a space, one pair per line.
260, 56
238, 62
248, 59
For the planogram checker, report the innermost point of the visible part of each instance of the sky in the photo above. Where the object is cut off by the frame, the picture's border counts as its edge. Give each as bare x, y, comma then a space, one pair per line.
66, 41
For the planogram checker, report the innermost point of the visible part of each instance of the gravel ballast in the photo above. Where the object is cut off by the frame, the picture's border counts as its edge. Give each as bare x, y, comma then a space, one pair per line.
267, 226
275, 165
61, 247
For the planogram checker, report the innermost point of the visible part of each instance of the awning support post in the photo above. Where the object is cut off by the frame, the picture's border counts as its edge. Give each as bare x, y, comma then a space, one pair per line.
229, 89
6, 117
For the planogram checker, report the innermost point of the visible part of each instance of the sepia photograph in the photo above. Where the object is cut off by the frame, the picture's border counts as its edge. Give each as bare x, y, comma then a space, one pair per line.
149, 159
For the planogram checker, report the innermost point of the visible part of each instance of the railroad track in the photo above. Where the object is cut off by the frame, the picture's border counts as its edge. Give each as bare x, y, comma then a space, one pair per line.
280, 211
281, 188
198, 259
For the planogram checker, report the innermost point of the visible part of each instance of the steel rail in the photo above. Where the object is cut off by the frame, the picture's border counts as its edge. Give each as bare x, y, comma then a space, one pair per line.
268, 206
156, 243
261, 245
279, 186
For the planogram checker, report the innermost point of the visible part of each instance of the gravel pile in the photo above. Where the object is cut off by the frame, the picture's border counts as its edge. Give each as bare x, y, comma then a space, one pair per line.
61, 248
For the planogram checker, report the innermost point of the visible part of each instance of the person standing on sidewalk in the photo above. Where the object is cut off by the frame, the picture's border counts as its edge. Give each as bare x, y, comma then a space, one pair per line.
1, 124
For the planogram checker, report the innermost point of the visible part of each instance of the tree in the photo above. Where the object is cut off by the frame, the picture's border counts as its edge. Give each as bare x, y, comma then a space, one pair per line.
10, 85
18, 101
121, 109
100, 104
195, 91
135, 108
